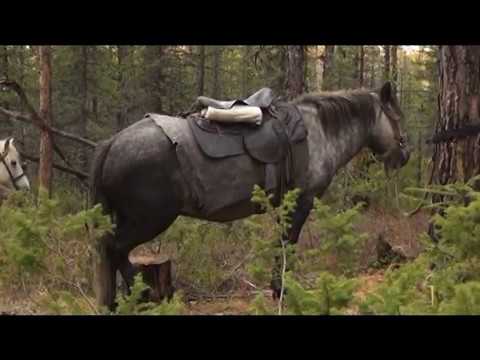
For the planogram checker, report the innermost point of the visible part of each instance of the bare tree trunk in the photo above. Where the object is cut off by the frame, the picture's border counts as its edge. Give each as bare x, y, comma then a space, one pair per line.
46, 153
318, 68
394, 60
4, 71
122, 61
3, 62
217, 58
83, 155
295, 82
356, 67
328, 67
245, 74
201, 71
154, 77
459, 105
372, 75
420, 158
386, 64
362, 66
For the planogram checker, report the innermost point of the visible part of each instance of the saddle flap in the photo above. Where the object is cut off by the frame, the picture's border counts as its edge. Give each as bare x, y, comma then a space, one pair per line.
211, 141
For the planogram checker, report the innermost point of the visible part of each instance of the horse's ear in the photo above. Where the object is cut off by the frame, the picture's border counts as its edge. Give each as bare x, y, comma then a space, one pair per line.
386, 92
8, 143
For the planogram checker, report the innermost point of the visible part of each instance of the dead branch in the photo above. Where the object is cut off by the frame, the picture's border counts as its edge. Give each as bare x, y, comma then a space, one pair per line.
80, 174
28, 119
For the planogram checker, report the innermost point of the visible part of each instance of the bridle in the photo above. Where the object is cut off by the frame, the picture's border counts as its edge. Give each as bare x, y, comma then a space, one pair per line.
13, 179
402, 143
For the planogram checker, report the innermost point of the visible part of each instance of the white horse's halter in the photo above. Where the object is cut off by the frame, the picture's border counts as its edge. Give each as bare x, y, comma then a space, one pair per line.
13, 179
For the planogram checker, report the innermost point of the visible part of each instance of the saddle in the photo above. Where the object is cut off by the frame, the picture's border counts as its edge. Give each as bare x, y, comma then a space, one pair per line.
270, 143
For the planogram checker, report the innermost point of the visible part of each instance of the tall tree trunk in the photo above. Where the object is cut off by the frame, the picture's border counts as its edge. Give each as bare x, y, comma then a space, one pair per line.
83, 155
3, 62
459, 105
245, 72
122, 62
217, 59
4, 71
318, 68
201, 71
356, 67
154, 77
362, 67
394, 61
46, 153
372, 75
386, 64
328, 67
295, 82
21, 79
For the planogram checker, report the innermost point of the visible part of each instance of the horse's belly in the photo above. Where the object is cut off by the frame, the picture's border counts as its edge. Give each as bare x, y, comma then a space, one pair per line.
236, 211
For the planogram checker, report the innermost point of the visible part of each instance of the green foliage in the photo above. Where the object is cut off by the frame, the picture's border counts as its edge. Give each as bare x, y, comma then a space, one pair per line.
133, 305
338, 238
204, 252
445, 278
330, 296
270, 230
42, 244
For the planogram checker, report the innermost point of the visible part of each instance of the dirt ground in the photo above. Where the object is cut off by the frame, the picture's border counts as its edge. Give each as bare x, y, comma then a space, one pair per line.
398, 231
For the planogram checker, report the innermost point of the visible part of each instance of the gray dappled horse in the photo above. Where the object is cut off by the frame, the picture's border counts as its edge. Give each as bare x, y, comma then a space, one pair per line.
12, 175
136, 175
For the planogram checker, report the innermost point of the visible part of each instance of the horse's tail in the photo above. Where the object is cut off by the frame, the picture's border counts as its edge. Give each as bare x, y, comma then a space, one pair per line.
97, 196
105, 270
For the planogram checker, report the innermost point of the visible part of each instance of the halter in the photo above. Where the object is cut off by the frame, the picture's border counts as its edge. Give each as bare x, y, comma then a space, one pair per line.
397, 136
12, 178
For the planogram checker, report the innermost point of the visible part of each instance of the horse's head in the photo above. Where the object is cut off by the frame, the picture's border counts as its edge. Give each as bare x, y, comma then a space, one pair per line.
12, 173
387, 140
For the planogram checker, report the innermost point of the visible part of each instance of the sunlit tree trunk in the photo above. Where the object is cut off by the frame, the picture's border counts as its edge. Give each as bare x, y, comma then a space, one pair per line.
201, 71
295, 82
394, 63
328, 67
386, 64
46, 153
217, 59
361, 67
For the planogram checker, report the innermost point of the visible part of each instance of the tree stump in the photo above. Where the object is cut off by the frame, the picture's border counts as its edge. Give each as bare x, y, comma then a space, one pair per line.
158, 275
386, 254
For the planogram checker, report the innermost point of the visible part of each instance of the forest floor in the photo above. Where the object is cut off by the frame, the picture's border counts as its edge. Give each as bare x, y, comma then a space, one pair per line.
400, 232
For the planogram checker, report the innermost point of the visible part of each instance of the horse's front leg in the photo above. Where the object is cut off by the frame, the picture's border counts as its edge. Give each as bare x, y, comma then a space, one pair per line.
300, 215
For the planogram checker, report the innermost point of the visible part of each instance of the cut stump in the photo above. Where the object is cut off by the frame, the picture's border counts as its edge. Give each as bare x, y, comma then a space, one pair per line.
158, 275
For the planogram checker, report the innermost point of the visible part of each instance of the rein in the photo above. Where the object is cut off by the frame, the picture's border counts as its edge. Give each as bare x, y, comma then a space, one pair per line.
13, 179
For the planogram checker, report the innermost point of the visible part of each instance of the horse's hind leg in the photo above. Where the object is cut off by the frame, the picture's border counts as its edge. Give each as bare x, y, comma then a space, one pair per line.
105, 273
130, 235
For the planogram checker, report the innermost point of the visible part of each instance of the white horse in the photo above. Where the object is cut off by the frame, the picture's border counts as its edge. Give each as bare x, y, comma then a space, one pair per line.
12, 170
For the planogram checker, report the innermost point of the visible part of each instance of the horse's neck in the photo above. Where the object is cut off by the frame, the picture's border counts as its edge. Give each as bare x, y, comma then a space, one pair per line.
348, 144
334, 151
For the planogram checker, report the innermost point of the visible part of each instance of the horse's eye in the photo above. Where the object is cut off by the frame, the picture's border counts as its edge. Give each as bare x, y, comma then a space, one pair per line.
13, 163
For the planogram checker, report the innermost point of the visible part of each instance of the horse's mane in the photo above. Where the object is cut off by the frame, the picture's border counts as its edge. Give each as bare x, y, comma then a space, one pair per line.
337, 110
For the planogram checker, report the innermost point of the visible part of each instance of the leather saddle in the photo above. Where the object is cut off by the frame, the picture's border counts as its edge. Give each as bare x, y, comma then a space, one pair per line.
269, 142
278, 142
